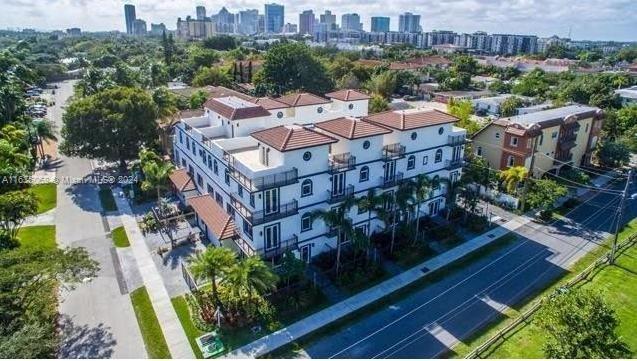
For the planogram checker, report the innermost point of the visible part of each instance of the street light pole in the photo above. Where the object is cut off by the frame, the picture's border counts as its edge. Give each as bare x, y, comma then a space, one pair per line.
620, 215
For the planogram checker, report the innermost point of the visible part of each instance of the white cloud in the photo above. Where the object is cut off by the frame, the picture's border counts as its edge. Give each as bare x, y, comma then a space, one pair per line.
588, 19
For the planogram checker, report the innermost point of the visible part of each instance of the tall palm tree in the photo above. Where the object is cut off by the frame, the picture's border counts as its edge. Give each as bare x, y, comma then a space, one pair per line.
403, 202
44, 131
156, 176
336, 218
213, 263
371, 203
260, 278
452, 190
422, 187
513, 176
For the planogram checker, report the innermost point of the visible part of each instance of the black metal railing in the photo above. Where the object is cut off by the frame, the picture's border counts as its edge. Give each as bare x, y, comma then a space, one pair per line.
289, 244
285, 210
341, 162
340, 196
391, 181
393, 151
263, 182
454, 163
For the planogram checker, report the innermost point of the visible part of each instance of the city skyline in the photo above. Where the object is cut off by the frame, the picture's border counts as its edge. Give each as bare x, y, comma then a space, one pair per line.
586, 20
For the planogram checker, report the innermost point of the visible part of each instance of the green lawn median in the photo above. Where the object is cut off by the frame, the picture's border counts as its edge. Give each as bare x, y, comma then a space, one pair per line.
120, 239
192, 332
149, 325
37, 237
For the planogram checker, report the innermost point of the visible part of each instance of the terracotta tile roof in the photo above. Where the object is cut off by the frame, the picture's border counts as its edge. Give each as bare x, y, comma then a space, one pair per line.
270, 104
218, 221
301, 99
234, 108
369, 62
352, 128
182, 180
411, 118
347, 95
292, 137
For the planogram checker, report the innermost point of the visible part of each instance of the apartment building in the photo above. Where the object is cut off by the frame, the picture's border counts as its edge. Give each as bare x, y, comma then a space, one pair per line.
254, 169
560, 136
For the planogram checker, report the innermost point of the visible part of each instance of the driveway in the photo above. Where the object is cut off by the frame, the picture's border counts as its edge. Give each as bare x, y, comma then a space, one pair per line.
430, 321
97, 318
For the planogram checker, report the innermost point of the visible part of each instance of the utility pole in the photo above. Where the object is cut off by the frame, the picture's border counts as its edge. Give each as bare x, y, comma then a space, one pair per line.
527, 181
620, 215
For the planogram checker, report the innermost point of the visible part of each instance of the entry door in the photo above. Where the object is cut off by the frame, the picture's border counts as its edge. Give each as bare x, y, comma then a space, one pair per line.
390, 170
306, 253
271, 236
434, 207
338, 184
271, 201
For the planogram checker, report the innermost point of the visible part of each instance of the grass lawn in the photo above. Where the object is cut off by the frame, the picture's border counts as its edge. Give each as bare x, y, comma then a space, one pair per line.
107, 200
192, 332
120, 239
42, 237
46, 194
149, 325
611, 281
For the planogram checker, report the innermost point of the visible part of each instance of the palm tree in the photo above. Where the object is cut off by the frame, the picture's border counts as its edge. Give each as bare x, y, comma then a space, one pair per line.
453, 188
214, 262
403, 202
44, 131
371, 203
422, 187
336, 218
620, 81
512, 177
155, 176
260, 278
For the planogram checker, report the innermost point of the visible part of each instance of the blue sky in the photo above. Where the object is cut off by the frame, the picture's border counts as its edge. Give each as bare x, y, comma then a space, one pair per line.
587, 19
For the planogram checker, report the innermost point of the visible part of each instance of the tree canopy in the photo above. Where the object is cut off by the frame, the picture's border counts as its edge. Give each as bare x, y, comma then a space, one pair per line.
111, 125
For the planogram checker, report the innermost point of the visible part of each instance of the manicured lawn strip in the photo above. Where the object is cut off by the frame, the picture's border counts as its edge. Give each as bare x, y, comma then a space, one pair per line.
149, 325
47, 196
527, 340
107, 200
120, 239
394, 297
37, 237
192, 332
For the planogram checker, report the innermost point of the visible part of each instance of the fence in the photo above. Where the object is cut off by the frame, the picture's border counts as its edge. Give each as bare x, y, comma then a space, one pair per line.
504, 332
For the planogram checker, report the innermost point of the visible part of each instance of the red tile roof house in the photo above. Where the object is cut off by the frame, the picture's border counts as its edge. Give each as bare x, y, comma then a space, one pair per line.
268, 163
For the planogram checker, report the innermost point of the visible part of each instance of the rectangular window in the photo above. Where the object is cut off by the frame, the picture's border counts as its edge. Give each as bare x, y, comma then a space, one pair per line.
227, 177
210, 162
183, 163
188, 143
199, 180
497, 135
514, 141
364, 176
210, 190
247, 228
554, 135
479, 151
306, 223
194, 149
271, 201
181, 137
425, 160
240, 190
219, 198
411, 162
216, 167
252, 200
362, 229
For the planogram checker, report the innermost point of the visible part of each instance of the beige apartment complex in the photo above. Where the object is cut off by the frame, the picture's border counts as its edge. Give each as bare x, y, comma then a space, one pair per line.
561, 136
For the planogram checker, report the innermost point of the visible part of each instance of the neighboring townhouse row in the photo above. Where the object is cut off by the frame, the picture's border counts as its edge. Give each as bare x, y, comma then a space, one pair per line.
561, 136
254, 171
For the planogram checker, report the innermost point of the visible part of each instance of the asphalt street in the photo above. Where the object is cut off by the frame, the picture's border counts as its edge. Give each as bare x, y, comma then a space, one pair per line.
429, 322
96, 319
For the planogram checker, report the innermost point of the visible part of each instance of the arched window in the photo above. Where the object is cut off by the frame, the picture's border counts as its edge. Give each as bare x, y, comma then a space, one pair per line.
364, 175
438, 156
306, 188
411, 162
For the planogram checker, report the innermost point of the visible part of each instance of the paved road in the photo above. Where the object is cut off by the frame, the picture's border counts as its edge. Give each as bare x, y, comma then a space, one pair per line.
429, 322
97, 319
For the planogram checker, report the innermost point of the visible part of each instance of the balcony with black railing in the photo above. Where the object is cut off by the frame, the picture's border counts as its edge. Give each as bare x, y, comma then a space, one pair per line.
260, 183
390, 181
454, 163
335, 197
393, 151
261, 216
341, 162
289, 244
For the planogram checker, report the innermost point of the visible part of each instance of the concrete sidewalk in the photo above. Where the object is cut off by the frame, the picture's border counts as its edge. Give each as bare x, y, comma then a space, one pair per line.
333, 313
171, 327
